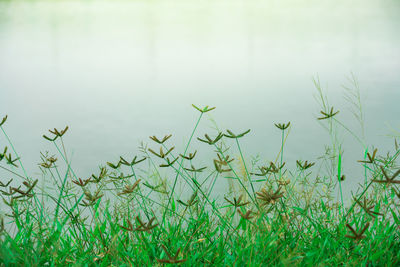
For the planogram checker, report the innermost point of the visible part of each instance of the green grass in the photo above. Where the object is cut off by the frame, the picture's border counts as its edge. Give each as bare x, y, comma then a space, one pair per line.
129, 214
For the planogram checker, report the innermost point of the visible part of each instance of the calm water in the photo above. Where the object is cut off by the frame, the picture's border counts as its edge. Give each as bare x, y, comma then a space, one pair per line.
119, 71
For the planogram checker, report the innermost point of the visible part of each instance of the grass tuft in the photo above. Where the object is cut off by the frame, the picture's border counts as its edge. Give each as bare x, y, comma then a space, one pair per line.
130, 212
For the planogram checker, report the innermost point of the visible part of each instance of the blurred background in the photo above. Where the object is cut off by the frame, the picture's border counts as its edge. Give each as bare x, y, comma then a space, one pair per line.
117, 72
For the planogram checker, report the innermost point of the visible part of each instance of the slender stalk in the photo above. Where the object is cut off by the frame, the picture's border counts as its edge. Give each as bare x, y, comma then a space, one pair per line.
339, 175
178, 172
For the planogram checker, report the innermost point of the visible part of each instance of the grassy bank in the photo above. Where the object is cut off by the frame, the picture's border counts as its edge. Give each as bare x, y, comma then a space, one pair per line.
128, 214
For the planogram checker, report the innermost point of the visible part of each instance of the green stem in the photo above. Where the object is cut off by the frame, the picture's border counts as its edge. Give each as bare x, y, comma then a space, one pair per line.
245, 166
178, 172
237, 177
280, 170
339, 178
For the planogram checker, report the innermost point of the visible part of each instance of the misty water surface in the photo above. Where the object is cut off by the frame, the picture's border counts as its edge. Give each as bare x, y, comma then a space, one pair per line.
117, 72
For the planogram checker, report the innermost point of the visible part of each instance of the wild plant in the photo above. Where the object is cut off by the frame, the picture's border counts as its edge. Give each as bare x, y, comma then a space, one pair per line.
131, 212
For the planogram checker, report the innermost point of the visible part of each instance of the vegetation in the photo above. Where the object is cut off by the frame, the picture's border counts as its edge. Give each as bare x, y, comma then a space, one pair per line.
127, 214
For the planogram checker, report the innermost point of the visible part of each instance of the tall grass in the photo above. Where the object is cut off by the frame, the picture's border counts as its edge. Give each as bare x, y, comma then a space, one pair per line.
130, 212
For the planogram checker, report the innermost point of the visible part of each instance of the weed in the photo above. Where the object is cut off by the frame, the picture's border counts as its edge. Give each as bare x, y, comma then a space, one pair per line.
271, 216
